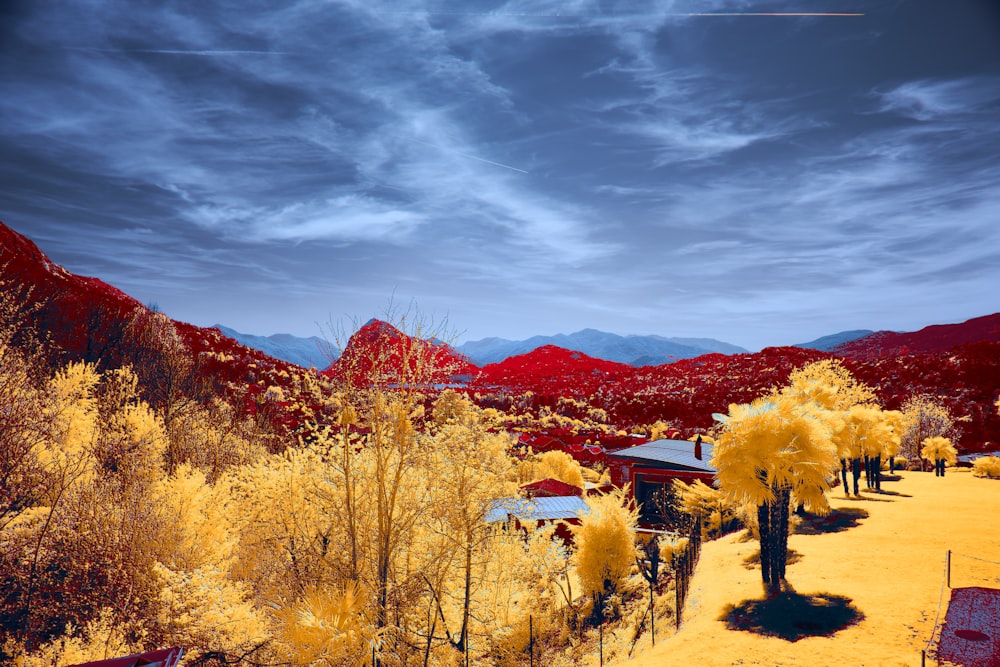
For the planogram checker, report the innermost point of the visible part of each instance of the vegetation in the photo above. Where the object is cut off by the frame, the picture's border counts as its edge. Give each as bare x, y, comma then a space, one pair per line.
162, 486
987, 466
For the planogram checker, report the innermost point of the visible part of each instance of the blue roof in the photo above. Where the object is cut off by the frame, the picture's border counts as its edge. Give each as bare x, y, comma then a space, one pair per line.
676, 454
550, 508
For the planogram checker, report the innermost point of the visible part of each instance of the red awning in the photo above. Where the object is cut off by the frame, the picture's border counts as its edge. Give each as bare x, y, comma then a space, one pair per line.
167, 657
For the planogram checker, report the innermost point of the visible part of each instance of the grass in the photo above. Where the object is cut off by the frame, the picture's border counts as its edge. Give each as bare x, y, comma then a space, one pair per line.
873, 573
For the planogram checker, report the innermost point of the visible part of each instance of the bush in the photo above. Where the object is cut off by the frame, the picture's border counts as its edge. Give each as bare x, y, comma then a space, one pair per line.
605, 545
987, 466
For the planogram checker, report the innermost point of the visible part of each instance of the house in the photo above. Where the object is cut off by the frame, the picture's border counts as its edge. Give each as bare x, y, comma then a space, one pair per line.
650, 467
563, 511
545, 488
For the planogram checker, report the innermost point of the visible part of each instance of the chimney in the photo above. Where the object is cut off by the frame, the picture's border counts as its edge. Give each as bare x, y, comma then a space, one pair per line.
697, 448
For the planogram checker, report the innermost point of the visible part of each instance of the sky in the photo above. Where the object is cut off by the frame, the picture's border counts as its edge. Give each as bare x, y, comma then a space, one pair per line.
763, 172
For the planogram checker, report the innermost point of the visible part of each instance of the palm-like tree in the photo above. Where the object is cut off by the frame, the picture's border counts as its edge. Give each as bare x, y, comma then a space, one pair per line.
767, 453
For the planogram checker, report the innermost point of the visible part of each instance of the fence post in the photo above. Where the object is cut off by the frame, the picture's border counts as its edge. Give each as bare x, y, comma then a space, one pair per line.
678, 600
531, 642
601, 640
949, 568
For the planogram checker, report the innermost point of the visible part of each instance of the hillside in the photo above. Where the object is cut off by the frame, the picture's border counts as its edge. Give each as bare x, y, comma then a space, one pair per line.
930, 339
84, 319
828, 343
87, 319
380, 350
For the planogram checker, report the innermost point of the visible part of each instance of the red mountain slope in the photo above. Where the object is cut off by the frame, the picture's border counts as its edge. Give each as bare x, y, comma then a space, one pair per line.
553, 370
935, 338
85, 319
380, 350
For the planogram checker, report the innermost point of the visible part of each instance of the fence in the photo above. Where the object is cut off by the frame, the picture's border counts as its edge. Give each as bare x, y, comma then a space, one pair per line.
684, 563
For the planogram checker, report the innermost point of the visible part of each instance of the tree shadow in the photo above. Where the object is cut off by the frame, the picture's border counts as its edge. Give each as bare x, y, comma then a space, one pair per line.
870, 499
791, 616
836, 521
753, 560
883, 492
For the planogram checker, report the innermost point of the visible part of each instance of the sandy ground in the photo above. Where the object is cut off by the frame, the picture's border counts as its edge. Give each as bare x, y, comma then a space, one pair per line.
890, 565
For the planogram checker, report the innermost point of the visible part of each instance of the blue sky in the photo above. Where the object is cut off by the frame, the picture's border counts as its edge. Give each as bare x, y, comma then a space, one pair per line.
519, 167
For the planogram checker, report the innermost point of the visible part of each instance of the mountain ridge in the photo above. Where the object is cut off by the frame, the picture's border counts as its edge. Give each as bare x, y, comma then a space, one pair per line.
631, 349
307, 352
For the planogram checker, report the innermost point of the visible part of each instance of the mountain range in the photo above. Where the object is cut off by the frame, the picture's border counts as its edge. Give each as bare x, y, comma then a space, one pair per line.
311, 352
634, 350
85, 319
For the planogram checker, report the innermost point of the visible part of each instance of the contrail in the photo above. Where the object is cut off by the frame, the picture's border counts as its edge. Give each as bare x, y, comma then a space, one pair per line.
612, 17
186, 52
471, 157
773, 14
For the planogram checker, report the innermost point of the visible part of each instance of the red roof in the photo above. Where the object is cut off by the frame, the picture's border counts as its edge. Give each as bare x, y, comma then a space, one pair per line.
167, 657
551, 487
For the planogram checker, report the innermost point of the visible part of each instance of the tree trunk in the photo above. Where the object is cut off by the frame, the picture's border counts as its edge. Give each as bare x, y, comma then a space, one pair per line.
780, 557
764, 531
463, 639
773, 527
877, 471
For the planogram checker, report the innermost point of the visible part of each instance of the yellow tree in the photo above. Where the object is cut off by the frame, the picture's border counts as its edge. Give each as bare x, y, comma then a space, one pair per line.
923, 417
553, 464
469, 468
867, 435
605, 548
382, 374
939, 450
831, 390
766, 453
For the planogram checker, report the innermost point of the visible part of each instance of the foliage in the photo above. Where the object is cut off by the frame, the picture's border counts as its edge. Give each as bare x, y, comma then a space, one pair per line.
936, 448
605, 544
779, 449
986, 466
554, 465
923, 417
714, 508
774, 444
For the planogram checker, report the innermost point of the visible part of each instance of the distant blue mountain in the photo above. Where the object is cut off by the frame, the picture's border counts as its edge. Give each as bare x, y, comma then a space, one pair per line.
827, 343
305, 352
635, 350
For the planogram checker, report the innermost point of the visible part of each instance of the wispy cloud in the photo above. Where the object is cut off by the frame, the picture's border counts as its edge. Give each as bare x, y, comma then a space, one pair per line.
927, 100
584, 157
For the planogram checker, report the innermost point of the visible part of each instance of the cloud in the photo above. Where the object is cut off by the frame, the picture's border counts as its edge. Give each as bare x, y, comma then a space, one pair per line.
927, 100
586, 157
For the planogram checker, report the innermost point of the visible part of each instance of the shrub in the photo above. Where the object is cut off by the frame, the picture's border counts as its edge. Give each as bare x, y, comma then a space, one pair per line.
987, 466
605, 541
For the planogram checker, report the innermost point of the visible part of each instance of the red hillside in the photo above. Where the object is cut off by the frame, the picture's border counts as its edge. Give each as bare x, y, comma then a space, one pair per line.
86, 319
553, 370
379, 352
935, 338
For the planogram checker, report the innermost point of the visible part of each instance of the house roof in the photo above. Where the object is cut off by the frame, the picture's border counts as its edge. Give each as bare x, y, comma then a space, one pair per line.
168, 657
543, 508
675, 454
552, 487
